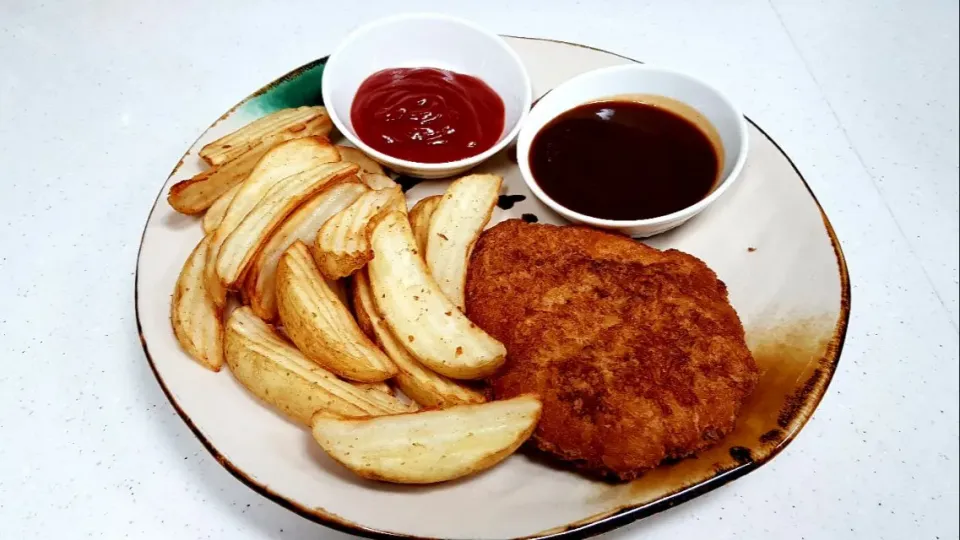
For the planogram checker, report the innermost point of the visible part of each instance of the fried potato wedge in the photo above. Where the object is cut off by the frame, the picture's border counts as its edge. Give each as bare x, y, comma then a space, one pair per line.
278, 374
214, 215
303, 224
432, 446
420, 216
339, 287
384, 388
422, 318
282, 161
243, 243
342, 247
376, 387
195, 318
354, 155
320, 325
378, 181
364, 308
457, 222
274, 128
194, 195
417, 382
371, 173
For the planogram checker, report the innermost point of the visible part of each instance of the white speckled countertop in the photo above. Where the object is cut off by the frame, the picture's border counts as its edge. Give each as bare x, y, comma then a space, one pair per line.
98, 100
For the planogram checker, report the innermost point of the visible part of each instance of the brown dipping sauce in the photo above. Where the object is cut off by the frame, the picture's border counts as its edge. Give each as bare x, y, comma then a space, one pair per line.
624, 160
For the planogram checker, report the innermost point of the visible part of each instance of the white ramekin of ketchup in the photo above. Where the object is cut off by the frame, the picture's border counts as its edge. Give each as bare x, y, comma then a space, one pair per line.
426, 95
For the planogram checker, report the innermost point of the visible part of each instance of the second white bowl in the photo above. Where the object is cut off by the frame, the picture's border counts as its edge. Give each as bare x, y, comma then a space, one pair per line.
634, 79
426, 40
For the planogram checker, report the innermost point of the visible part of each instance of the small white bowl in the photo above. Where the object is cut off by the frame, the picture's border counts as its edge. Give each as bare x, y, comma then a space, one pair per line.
426, 40
726, 119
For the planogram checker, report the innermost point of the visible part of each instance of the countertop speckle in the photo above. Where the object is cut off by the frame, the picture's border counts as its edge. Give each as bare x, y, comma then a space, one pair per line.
99, 100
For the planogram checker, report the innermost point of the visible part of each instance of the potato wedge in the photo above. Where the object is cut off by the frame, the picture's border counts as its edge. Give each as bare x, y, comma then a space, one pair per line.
194, 195
364, 308
214, 215
432, 446
320, 325
354, 155
422, 318
195, 318
272, 129
420, 216
416, 381
456, 224
342, 247
375, 387
280, 162
243, 243
278, 374
339, 287
378, 181
384, 388
303, 224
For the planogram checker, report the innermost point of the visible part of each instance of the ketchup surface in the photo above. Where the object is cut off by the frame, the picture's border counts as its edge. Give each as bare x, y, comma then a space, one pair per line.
427, 115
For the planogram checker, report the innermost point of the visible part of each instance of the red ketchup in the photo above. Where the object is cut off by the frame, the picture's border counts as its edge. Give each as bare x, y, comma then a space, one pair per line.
427, 115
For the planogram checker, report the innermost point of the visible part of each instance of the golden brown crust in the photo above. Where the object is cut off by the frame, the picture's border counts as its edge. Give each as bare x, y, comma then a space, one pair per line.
637, 353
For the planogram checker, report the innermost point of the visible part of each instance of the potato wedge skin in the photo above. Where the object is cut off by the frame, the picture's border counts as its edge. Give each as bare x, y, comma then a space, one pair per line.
242, 244
303, 224
455, 226
269, 130
420, 216
431, 446
422, 318
427, 388
278, 374
320, 325
195, 318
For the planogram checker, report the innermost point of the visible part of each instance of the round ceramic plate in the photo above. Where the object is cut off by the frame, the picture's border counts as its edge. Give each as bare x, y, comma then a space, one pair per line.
767, 238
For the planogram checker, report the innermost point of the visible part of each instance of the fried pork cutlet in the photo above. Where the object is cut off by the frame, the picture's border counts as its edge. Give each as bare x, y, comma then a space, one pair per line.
636, 352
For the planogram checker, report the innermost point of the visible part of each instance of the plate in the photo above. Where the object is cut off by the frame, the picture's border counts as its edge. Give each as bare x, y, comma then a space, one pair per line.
767, 238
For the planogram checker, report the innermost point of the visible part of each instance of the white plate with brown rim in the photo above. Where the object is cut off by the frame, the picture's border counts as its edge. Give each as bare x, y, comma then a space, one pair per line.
767, 238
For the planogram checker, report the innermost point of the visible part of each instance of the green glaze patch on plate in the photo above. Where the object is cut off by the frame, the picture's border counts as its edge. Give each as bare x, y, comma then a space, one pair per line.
296, 89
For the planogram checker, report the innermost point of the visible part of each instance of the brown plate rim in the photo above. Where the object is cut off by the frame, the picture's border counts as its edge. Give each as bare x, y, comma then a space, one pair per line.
590, 526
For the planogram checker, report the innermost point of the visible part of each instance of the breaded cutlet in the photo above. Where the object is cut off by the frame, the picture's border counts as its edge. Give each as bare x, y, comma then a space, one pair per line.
636, 352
